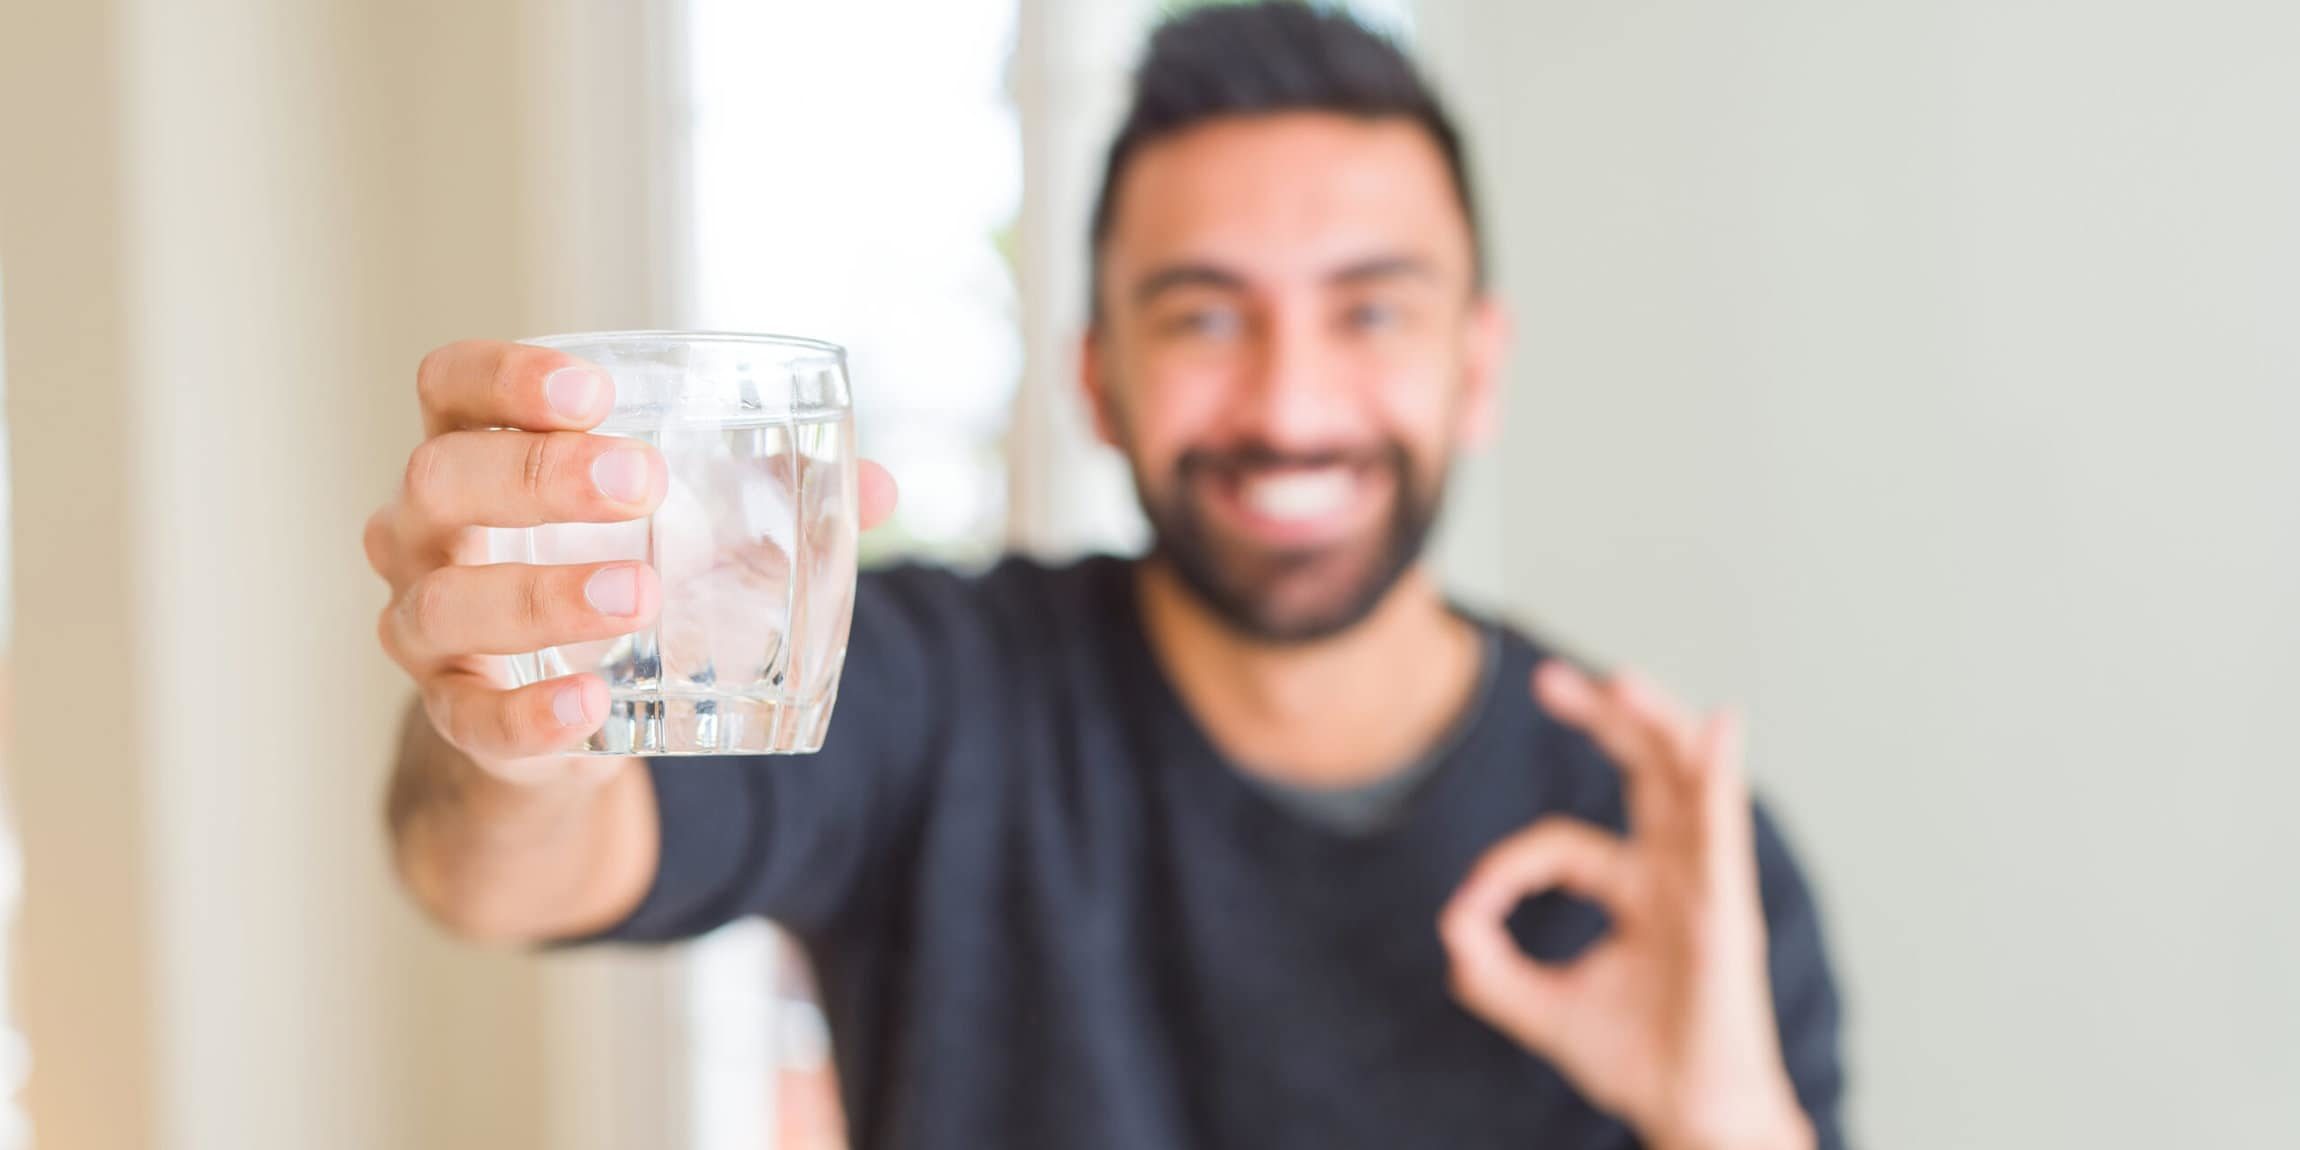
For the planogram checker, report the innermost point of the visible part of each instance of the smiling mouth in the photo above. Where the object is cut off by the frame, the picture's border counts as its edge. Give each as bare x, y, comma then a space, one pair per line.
1293, 505
1297, 495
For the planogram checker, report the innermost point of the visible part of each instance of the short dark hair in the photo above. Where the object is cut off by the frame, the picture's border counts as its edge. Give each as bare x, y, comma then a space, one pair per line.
1251, 59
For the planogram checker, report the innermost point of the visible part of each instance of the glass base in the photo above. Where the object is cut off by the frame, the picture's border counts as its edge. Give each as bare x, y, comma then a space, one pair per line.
654, 723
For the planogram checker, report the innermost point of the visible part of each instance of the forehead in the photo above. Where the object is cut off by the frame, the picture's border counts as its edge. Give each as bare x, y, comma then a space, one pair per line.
1287, 195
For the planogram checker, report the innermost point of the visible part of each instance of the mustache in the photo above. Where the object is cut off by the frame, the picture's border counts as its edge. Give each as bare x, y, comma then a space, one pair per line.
1255, 456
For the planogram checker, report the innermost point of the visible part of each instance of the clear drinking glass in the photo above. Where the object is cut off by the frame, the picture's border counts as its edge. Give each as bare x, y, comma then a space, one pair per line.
755, 543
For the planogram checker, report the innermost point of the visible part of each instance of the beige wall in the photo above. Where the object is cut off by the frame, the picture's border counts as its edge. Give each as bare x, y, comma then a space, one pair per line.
82, 938
1927, 375
228, 230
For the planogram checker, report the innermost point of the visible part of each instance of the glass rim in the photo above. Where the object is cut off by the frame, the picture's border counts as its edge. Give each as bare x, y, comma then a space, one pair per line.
563, 341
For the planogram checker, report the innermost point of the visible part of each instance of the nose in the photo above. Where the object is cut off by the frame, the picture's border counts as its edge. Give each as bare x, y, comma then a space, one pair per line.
1298, 395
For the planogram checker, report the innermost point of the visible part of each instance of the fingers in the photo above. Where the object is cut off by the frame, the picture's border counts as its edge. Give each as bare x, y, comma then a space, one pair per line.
1490, 975
1725, 797
491, 383
1665, 724
544, 718
381, 542
521, 479
1687, 794
876, 493
1556, 853
513, 608
1637, 725
1717, 747
1494, 980
1626, 734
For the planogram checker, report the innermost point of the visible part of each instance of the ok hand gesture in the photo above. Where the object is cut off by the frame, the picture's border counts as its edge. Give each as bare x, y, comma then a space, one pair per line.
1667, 1021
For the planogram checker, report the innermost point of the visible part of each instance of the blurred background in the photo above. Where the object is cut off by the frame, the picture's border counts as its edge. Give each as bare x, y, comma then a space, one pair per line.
1924, 375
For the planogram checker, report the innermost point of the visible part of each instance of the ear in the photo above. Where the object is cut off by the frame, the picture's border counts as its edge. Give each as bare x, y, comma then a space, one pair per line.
1093, 383
1485, 360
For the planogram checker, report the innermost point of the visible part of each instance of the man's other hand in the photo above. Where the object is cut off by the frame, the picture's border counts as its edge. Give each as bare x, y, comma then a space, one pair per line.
1667, 1021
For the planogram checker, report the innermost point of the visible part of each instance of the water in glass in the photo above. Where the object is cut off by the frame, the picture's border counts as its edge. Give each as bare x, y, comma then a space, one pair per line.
755, 546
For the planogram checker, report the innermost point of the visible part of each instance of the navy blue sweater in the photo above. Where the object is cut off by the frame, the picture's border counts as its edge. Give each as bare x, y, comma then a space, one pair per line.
1046, 912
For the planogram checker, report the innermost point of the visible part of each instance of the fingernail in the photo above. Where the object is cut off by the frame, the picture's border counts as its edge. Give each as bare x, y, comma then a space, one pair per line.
572, 390
614, 591
567, 705
621, 475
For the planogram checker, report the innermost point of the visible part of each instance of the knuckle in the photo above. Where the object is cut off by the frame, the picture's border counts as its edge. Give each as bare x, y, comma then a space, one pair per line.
425, 480
539, 604
430, 376
516, 370
524, 722
387, 634
505, 722
536, 465
437, 374
376, 540
425, 608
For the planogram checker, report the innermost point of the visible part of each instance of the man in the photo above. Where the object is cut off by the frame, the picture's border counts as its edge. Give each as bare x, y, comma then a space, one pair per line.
1255, 842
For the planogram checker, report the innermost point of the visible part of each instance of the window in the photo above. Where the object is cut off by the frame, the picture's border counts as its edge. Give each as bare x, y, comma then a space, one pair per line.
830, 198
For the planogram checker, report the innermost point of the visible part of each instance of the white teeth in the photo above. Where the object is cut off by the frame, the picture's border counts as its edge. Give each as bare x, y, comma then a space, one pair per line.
1298, 495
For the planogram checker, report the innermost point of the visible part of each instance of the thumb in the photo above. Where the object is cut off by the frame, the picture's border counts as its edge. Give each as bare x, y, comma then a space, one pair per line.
875, 493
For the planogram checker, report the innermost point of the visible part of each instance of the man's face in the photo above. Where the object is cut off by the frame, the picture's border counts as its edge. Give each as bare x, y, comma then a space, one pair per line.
1289, 349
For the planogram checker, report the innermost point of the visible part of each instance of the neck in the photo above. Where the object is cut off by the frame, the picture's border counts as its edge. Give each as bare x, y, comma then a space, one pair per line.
1338, 711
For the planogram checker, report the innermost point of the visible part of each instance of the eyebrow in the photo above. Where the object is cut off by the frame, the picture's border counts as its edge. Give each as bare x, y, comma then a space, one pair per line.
1175, 276
1382, 268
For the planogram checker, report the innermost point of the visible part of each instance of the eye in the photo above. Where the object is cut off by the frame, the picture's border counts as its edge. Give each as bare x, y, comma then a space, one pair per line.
1205, 323
1371, 315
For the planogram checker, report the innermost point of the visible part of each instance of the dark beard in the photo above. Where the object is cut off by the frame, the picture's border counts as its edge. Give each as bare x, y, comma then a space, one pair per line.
1239, 591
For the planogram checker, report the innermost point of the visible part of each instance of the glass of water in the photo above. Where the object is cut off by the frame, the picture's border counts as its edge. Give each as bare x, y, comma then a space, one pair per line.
755, 544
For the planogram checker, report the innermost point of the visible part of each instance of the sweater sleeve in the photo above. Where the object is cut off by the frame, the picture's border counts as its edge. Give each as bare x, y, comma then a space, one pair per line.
797, 838
1804, 991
